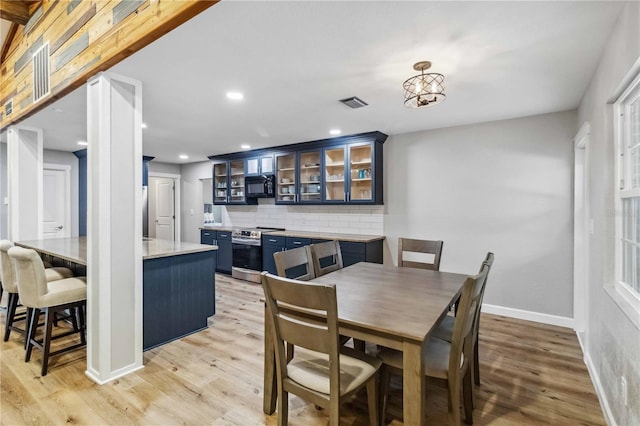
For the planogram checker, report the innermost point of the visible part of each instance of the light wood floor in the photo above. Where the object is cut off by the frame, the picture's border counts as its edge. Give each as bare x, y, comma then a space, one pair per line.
532, 374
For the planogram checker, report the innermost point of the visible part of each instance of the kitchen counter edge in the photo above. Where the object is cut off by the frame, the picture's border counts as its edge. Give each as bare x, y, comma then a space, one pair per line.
327, 236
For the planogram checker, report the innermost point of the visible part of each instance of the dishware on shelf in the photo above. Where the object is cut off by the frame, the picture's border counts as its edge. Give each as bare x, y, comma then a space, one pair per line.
284, 190
286, 180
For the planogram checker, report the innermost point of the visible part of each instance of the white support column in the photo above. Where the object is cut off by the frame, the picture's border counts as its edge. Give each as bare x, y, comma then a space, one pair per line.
24, 161
114, 227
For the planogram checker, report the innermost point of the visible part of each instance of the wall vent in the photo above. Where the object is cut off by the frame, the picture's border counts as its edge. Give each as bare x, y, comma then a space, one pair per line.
354, 102
8, 108
41, 78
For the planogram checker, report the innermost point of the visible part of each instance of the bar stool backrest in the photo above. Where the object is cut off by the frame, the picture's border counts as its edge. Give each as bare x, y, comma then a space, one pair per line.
7, 272
32, 281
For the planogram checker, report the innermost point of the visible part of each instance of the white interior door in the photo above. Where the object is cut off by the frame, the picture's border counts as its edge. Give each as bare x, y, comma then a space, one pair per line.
164, 220
56, 201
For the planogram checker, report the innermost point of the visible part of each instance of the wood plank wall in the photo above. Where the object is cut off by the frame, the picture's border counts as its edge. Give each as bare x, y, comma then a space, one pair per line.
84, 37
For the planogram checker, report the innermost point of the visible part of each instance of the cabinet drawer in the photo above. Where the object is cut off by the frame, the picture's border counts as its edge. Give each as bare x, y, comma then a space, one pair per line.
274, 240
224, 235
294, 242
207, 237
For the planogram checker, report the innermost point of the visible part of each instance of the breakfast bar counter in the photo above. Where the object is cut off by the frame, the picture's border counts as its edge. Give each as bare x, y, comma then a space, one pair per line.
178, 282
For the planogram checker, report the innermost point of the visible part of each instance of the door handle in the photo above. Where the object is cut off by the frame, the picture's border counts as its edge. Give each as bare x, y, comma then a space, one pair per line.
59, 227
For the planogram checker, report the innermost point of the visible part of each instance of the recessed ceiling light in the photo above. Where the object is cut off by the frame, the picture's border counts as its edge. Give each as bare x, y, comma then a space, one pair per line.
83, 143
245, 146
183, 156
235, 96
335, 131
57, 109
144, 125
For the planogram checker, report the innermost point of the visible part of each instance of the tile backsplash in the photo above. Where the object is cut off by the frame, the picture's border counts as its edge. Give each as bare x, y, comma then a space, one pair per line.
362, 220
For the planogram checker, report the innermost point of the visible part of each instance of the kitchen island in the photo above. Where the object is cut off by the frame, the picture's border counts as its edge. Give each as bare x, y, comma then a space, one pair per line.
178, 288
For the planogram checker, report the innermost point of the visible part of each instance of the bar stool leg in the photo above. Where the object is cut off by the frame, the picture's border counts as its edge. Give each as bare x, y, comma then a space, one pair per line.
12, 304
80, 314
49, 318
31, 334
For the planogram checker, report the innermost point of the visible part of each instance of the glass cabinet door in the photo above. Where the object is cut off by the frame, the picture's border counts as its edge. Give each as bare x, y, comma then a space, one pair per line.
236, 178
360, 181
220, 183
286, 178
334, 173
310, 189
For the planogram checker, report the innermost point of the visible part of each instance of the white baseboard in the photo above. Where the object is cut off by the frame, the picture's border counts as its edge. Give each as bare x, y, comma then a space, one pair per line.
595, 379
528, 315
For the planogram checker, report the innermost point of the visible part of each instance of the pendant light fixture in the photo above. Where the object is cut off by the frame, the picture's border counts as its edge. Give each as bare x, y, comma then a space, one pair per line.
425, 89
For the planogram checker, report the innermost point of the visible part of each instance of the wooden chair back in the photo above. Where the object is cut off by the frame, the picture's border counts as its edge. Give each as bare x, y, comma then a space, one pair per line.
326, 252
420, 246
289, 264
462, 338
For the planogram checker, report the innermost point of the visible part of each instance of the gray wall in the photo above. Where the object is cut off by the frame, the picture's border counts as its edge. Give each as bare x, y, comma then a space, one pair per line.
503, 186
192, 202
67, 158
4, 213
158, 167
612, 338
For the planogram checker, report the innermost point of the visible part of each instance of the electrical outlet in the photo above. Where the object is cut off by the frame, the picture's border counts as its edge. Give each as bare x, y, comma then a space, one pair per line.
623, 388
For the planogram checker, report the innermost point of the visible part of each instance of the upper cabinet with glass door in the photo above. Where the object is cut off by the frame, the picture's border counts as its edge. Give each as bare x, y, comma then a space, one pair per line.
286, 167
343, 170
228, 182
360, 187
220, 183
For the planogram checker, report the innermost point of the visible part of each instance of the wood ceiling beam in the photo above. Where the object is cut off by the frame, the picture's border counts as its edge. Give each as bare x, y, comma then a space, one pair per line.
6, 45
14, 11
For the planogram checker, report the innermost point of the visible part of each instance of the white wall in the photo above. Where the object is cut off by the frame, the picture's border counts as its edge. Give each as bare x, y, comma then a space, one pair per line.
67, 158
4, 213
612, 340
503, 186
192, 202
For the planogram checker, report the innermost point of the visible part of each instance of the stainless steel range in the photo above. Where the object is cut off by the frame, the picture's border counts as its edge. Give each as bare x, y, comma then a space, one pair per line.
247, 252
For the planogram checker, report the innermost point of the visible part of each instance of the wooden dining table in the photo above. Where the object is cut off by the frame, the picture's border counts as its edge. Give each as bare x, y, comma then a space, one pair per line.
389, 306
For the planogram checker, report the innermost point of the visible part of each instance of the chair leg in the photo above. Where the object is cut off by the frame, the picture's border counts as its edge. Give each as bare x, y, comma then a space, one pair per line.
454, 403
31, 334
359, 345
467, 395
49, 319
385, 378
476, 363
373, 400
283, 408
12, 304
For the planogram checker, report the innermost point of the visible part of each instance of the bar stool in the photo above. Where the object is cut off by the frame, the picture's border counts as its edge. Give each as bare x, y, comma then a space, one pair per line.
10, 284
49, 297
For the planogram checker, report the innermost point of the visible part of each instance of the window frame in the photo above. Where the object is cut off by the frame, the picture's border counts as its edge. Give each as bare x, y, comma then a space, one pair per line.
623, 189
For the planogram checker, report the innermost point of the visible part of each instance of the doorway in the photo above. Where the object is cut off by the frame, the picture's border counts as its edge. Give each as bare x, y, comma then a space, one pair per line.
164, 211
56, 201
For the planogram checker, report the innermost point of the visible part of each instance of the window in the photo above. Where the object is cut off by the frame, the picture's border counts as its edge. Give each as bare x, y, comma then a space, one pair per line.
627, 109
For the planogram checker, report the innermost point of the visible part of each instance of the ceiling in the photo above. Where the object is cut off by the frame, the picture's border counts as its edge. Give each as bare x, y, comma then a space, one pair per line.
293, 61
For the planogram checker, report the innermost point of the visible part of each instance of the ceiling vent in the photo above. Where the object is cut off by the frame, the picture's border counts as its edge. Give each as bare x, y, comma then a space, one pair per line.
354, 102
41, 78
8, 108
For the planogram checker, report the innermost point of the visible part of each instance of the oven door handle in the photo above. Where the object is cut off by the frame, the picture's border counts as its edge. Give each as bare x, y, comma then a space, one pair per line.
255, 243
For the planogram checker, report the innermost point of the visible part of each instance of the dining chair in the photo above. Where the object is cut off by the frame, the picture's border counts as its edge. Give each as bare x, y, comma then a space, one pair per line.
10, 285
327, 257
295, 263
445, 327
305, 315
448, 361
52, 297
420, 246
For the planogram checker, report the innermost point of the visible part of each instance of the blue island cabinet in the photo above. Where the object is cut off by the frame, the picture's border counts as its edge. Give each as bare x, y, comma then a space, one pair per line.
178, 296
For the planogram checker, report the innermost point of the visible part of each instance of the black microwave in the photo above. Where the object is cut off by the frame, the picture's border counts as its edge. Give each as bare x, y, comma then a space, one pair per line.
259, 186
